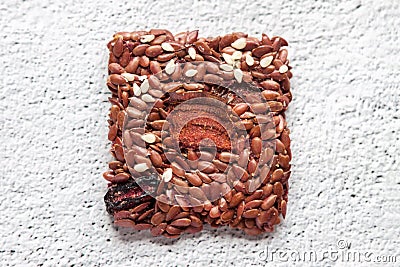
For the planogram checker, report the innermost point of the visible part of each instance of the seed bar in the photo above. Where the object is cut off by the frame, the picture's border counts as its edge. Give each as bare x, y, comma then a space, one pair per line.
223, 184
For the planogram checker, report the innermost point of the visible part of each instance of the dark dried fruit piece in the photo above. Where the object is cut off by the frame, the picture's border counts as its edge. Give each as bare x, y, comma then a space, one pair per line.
125, 196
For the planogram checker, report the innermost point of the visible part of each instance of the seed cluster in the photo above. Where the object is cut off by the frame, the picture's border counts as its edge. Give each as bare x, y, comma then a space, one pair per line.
247, 198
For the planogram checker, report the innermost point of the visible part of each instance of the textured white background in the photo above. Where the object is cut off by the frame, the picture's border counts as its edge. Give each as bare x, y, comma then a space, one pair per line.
345, 122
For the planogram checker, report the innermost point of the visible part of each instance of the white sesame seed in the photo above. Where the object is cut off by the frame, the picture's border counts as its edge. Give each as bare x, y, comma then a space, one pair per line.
190, 73
238, 64
283, 69
226, 67
168, 193
249, 60
236, 55
192, 53
144, 87
265, 62
167, 175
238, 75
167, 47
142, 78
141, 167
228, 58
128, 76
148, 98
149, 138
136, 90
147, 38
170, 67
239, 43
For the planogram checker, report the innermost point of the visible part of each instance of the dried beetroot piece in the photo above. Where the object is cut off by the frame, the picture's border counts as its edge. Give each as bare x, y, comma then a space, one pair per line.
201, 128
199, 121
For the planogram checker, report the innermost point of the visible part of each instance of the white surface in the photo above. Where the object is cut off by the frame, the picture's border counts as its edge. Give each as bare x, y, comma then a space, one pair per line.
53, 102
